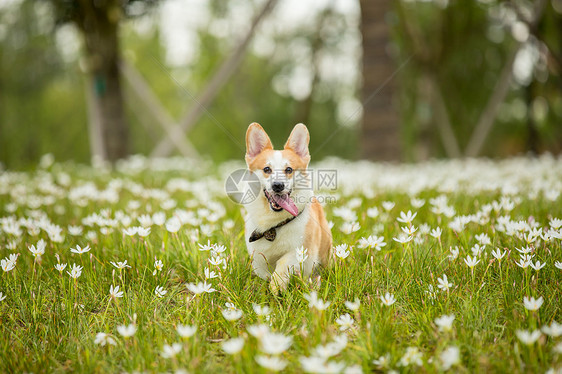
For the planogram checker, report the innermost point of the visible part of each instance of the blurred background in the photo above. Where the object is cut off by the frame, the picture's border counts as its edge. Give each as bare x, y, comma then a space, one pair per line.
383, 80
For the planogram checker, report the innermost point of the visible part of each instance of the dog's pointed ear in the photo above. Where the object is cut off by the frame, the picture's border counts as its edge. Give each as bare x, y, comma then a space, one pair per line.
298, 141
256, 141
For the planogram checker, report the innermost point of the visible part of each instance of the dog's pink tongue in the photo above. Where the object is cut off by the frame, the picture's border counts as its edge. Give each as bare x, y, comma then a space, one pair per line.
285, 202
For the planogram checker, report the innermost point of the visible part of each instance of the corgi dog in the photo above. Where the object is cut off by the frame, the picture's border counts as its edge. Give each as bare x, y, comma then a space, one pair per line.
284, 217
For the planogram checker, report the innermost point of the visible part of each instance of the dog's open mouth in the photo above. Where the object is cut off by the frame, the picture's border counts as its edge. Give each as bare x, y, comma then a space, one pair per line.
278, 202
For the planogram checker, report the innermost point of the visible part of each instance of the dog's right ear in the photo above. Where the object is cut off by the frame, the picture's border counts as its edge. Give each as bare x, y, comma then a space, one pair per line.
256, 141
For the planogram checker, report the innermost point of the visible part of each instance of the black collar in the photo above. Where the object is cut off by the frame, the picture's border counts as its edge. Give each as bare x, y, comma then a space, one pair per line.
271, 233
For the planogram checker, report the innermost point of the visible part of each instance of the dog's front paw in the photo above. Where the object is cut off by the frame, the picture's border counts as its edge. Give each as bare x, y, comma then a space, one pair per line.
277, 285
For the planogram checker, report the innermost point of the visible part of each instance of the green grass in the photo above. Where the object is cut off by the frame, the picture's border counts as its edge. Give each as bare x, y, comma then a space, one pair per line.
49, 321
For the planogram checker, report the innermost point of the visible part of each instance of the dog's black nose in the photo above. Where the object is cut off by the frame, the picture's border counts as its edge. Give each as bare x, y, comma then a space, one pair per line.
277, 186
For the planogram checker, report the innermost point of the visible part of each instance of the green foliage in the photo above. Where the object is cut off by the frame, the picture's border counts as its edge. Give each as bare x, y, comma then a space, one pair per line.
455, 45
49, 321
43, 104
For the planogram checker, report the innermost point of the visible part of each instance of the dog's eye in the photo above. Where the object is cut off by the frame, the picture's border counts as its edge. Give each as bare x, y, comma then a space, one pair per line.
267, 170
289, 170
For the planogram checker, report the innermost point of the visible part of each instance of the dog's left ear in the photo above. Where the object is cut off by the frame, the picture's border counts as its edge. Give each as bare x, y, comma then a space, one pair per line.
298, 141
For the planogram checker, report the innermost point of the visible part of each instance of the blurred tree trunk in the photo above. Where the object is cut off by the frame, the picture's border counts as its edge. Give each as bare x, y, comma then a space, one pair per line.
98, 20
532, 131
380, 139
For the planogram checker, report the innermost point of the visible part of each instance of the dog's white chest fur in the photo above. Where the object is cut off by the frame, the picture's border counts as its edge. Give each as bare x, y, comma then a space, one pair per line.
289, 237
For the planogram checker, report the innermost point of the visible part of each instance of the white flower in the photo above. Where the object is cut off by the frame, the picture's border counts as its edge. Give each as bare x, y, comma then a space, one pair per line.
483, 239
127, 331
444, 283
217, 249
315, 302
232, 314
388, 205
445, 322
60, 267
353, 305
200, 287
373, 212
354, 369
145, 220
315, 364
431, 292
114, 292
341, 251
157, 266
530, 237
75, 271
331, 349
454, 253
558, 264
80, 250
102, 339
527, 337
274, 343
372, 241
206, 247
417, 203
143, 231
477, 249
75, 230
388, 299
382, 362
555, 223
228, 225
2, 296
524, 250
216, 261
120, 265
347, 214
449, 357
39, 250
412, 356
186, 331
160, 291
258, 331
498, 255
349, 227
130, 231
403, 238
345, 321
169, 351
301, 253
210, 274
537, 265
424, 229
406, 218
554, 330
523, 263
532, 304
471, 262
436, 232
233, 346
409, 230
173, 225
159, 218
261, 310
271, 363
